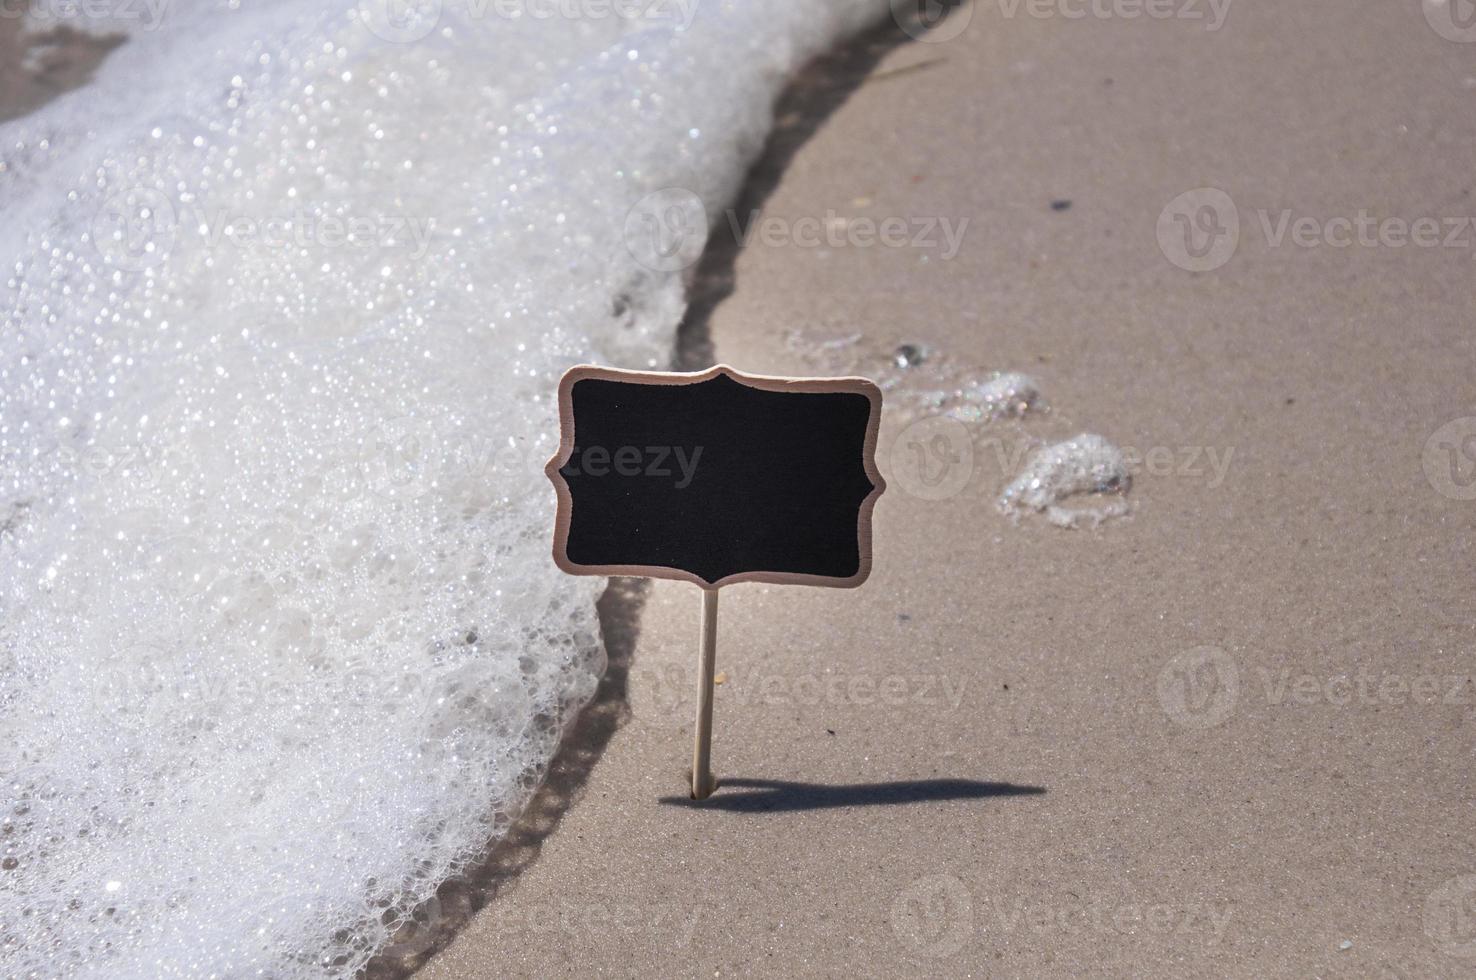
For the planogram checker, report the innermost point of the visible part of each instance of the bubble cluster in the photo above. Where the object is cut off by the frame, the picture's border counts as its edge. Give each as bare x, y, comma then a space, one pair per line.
921, 380
281, 643
1008, 394
1083, 464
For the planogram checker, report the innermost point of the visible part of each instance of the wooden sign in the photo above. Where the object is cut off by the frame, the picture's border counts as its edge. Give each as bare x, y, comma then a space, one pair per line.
713, 478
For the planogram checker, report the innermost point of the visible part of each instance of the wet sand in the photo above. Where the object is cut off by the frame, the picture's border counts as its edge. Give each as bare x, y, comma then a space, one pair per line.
1231, 734
1228, 735
37, 66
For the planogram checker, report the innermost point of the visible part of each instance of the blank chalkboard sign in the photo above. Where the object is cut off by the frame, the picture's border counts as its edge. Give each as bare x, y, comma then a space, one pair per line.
716, 477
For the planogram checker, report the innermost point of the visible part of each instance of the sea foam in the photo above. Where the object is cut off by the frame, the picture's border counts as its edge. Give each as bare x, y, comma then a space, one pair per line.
288, 291
1083, 464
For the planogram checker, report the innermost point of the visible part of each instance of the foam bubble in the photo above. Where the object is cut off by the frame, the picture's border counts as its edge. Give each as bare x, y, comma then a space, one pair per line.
1084, 464
1008, 394
282, 645
922, 380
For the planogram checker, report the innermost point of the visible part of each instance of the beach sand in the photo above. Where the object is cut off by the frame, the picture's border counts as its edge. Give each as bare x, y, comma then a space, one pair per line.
1305, 806
35, 67
987, 761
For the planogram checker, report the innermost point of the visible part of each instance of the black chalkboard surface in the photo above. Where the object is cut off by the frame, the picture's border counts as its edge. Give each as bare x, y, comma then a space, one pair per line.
716, 477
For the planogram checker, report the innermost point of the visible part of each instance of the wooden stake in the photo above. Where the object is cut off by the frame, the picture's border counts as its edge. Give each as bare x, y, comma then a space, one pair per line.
702, 782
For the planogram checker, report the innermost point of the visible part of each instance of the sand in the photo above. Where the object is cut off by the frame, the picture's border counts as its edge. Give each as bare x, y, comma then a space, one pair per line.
1311, 821
37, 66
986, 761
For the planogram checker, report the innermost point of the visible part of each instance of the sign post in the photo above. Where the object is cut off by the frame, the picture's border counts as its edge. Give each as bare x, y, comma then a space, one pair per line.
703, 782
715, 477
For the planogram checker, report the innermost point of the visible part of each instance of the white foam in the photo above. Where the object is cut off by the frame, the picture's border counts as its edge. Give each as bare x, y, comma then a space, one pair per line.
922, 380
1083, 464
1003, 395
281, 645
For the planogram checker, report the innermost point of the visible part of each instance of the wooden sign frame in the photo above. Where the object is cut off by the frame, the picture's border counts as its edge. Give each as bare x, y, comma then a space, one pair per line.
844, 385
703, 783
